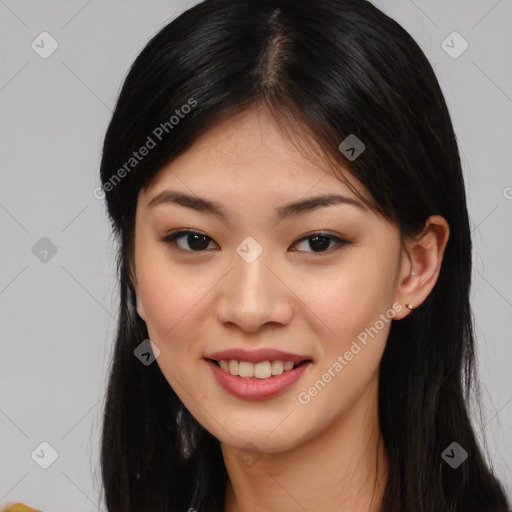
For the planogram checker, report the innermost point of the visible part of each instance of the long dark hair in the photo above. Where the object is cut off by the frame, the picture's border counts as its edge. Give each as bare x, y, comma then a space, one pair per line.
326, 69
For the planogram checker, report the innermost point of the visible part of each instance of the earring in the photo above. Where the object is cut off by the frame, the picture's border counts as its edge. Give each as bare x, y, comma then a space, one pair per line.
408, 306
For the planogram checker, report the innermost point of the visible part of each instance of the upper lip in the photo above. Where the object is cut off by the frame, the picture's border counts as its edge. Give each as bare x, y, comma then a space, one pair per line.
256, 356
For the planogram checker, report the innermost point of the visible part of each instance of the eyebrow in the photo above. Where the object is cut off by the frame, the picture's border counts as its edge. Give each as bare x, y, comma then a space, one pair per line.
214, 208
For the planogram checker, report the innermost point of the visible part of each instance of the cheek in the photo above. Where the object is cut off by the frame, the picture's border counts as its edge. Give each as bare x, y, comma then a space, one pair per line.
168, 301
355, 304
352, 296
166, 294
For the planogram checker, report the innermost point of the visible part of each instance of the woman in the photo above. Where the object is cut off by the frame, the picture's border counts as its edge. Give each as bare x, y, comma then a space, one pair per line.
295, 328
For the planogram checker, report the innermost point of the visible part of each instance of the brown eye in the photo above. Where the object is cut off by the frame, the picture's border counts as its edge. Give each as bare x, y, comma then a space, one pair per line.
321, 242
196, 241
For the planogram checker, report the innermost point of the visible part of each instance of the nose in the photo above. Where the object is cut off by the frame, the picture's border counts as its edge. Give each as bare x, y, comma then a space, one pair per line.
253, 295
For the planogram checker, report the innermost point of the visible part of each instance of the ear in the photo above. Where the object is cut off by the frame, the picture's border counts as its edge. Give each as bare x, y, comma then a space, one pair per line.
420, 263
133, 280
140, 309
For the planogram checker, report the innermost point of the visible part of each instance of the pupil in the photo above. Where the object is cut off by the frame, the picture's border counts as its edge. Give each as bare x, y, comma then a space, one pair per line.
315, 244
197, 242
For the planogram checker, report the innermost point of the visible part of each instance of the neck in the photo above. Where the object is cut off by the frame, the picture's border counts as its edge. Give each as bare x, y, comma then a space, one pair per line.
342, 468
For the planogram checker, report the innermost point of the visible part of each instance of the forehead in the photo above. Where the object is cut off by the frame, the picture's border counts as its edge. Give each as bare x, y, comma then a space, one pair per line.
248, 155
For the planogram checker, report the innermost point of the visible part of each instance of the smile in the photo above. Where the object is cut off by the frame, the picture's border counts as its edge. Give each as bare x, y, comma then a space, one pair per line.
256, 381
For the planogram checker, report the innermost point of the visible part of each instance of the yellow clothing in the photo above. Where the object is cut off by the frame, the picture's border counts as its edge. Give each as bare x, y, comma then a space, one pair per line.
18, 507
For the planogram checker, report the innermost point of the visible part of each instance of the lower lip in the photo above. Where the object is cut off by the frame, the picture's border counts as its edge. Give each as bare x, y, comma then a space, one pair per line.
252, 388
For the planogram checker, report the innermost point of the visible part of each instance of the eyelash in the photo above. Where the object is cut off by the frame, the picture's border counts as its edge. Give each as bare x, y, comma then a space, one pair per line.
171, 240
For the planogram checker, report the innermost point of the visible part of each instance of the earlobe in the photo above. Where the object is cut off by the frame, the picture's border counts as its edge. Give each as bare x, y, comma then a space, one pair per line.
425, 255
133, 279
140, 309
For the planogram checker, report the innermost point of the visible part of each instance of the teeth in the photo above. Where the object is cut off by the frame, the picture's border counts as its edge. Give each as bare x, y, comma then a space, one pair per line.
246, 369
263, 370
277, 367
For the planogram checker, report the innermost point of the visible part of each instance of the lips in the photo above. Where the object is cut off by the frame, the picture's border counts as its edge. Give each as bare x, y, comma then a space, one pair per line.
255, 388
258, 356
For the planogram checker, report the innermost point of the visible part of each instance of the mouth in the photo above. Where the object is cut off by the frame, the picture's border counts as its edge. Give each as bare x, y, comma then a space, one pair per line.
260, 370
257, 381
295, 365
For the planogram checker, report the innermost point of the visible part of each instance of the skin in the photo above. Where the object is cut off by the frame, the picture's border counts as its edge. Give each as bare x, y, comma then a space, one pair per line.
320, 455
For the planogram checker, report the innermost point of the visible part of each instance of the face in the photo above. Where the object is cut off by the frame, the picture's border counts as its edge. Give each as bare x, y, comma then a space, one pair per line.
315, 282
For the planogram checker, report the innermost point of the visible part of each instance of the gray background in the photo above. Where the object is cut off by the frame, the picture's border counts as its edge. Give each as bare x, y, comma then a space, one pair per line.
58, 316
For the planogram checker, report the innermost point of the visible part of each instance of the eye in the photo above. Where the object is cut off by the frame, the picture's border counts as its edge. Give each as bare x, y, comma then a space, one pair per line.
196, 240
321, 241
